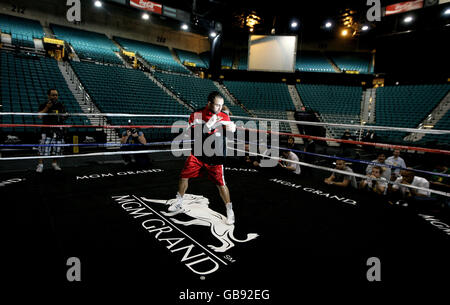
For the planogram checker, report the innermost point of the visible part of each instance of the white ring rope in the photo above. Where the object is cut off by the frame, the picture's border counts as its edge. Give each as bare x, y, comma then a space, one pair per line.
347, 126
189, 149
111, 153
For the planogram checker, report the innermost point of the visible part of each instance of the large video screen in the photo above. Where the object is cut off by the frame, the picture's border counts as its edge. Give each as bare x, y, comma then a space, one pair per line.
272, 53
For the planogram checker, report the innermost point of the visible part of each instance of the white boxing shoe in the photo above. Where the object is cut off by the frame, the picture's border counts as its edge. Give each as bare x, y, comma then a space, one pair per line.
230, 217
176, 206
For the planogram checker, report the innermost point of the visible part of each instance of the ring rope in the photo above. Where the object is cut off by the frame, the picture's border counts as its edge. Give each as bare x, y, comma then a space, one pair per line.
356, 161
111, 153
351, 126
93, 126
247, 142
344, 172
98, 114
382, 145
93, 144
188, 149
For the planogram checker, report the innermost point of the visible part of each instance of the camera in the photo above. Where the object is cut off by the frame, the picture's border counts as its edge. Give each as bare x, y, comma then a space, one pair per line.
133, 130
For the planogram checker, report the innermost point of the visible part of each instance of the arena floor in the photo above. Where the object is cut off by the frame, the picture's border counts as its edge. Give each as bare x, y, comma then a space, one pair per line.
290, 233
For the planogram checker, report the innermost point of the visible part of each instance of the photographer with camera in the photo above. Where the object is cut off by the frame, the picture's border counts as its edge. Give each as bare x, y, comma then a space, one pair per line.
51, 135
134, 139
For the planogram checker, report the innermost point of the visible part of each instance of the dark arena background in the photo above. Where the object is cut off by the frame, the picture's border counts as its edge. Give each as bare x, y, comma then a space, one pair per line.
347, 100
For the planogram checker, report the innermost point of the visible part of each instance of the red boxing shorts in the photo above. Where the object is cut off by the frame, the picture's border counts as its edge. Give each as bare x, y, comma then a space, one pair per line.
193, 169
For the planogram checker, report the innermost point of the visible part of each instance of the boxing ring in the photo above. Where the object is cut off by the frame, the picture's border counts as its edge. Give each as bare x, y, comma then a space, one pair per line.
290, 230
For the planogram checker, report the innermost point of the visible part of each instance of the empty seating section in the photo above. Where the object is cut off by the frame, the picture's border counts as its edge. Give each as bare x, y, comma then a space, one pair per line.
24, 84
442, 124
331, 99
261, 96
335, 104
312, 62
406, 106
22, 30
190, 57
89, 45
119, 90
193, 90
190, 89
243, 60
25, 80
205, 58
227, 58
235, 110
269, 100
352, 62
158, 56
337, 132
279, 115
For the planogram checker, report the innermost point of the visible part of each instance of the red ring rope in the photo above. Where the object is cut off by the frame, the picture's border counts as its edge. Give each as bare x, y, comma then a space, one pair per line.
404, 147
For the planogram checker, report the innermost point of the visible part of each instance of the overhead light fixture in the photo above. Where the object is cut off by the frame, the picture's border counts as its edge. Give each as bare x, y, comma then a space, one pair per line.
252, 19
251, 30
328, 25
145, 16
408, 19
344, 32
212, 34
294, 24
184, 27
447, 11
98, 3
365, 28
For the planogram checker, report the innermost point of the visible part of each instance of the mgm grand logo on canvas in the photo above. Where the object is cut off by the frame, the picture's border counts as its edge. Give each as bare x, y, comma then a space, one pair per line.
168, 229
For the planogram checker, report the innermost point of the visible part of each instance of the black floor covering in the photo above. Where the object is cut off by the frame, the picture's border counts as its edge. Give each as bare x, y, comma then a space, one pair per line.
308, 234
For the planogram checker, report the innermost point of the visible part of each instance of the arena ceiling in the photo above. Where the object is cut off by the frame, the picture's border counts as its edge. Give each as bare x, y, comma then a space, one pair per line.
311, 17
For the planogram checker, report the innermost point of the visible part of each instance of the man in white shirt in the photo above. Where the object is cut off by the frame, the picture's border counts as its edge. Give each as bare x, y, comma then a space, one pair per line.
396, 160
407, 177
290, 166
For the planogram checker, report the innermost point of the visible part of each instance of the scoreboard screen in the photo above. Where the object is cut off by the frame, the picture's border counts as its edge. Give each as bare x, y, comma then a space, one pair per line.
272, 53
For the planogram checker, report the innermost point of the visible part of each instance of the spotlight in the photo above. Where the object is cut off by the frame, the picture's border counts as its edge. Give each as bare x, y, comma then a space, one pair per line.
447, 11
365, 28
145, 16
98, 3
294, 24
184, 27
328, 25
408, 19
344, 32
212, 34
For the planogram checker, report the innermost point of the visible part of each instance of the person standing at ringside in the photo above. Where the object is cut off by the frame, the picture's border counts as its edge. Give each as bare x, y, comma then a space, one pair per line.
396, 160
212, 123
51, 135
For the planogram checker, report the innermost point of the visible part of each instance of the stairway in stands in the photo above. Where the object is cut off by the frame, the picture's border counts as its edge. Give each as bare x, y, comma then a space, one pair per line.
432, 119
85, 102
